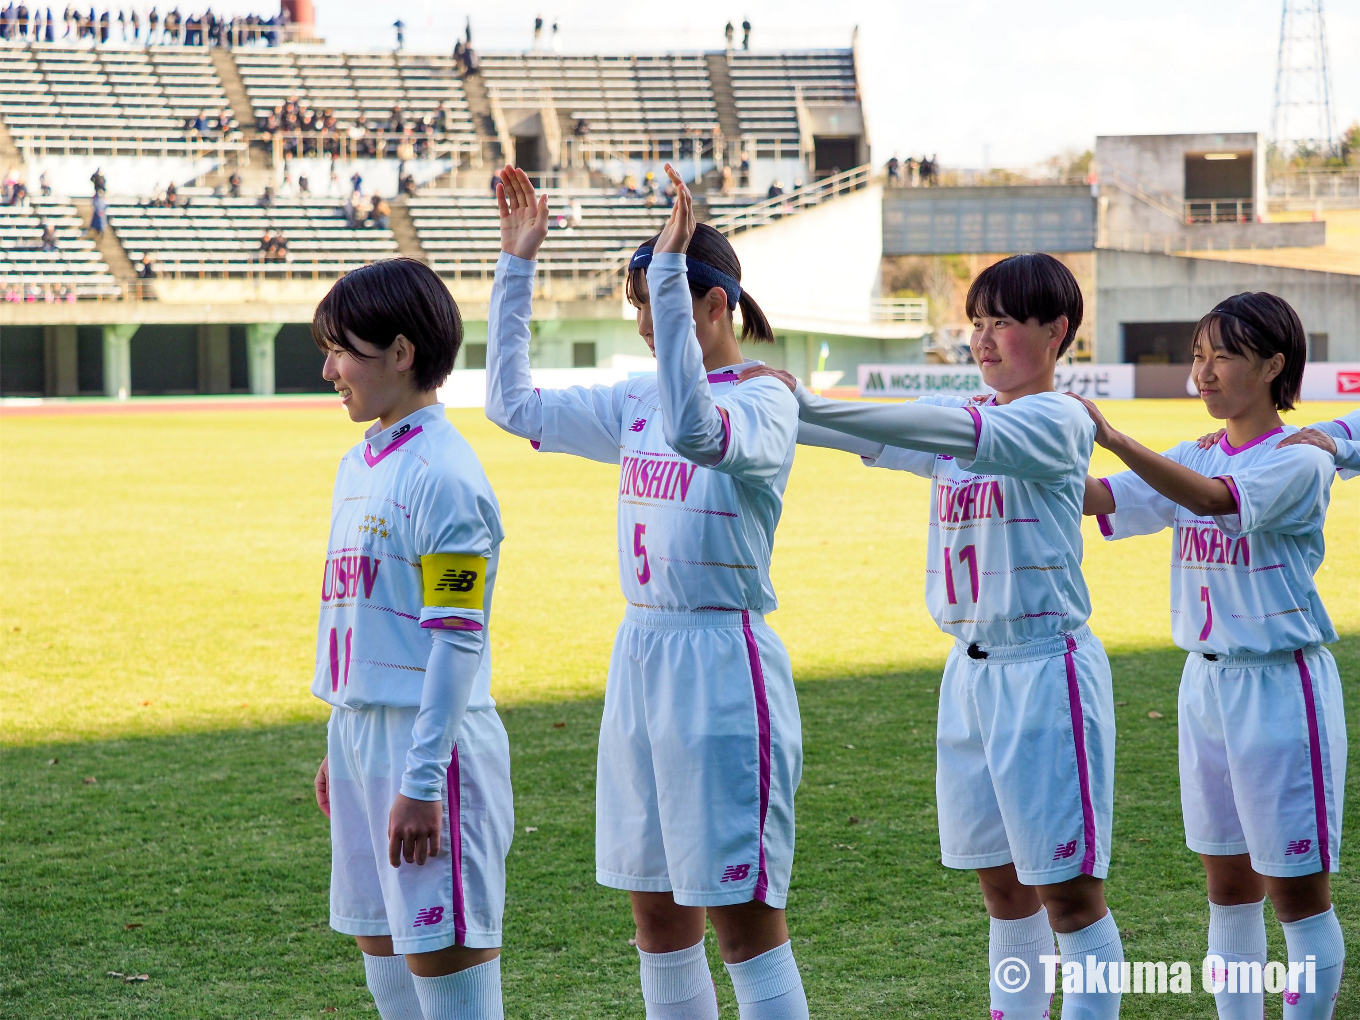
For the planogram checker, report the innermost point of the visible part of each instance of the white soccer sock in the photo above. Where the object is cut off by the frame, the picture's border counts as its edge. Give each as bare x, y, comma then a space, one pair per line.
472, 994
678, 985
1237, 933
389, 980
1025, 940
769, 986
1093, 946
1318, 936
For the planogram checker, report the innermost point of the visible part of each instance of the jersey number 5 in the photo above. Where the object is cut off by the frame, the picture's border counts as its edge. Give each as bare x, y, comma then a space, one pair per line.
968, 554
644, 573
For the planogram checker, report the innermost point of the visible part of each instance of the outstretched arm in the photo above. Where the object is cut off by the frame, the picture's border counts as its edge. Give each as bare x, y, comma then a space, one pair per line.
1180, 484
511, 401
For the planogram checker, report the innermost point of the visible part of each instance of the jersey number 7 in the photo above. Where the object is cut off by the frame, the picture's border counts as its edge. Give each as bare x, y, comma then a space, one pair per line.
968, 554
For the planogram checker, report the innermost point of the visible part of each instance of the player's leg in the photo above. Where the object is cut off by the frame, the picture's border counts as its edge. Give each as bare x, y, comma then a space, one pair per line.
727, 746
630, 852
973, 837
1055, 788
1286, 749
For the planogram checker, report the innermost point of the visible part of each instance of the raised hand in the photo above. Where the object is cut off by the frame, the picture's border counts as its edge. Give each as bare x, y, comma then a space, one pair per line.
676, 234
524, 217
756, 371
1211, 439
1106, 435
1310, 437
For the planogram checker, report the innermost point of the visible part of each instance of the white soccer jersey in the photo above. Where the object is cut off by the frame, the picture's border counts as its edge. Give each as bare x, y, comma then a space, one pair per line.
690, 537
1346, 432
410, 497
1243, 582
1005, 543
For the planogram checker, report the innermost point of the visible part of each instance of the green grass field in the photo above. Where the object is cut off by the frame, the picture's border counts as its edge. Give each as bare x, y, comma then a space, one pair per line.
157, 737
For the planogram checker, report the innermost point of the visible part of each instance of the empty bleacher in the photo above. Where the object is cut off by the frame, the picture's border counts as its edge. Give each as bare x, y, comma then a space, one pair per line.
662, 96
221, 237
765, 87
461, 233
361, 88
53, 92
76, 265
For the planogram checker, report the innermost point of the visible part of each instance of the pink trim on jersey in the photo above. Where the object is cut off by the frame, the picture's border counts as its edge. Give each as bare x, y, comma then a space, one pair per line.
372, 459
1315, 756
455, 796
1349, 433
1232, 487
763, 730
1088, 815
452, 623
534, 442
1106, 528
977, 424
716, 377
727, 433
1233, 451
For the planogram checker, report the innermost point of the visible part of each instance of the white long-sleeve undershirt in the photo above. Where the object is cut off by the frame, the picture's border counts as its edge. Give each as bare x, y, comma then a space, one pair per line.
952, 431
511, 400
455, 656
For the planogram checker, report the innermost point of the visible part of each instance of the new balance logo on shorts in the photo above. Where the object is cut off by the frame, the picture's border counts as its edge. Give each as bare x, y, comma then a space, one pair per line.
457, 580
1298, 846
735, 872
1065, 850
429, 915
637, 425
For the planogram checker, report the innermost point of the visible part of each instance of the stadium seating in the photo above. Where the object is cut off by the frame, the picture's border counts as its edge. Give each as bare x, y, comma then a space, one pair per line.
618, 96
765, 87
462, 232
221, 237
48, 91
77, 264
360, 87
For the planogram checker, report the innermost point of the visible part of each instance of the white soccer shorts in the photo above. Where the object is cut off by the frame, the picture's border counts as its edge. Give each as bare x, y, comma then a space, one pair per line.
456, 898
1025, 759
700, 754
1263, 759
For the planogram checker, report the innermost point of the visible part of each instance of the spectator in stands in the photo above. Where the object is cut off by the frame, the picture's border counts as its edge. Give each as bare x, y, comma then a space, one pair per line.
470, 62
18, 194
538, 32
304, 186
581, 128
201, 123
223, 125
266, 199
495, 181
727, 185
649, 189
152, 21
728, 33
50, 34
745, 170
630, 186
104, 24
97, 179
355, 213
234, 185
381, 213
894, 172
266, 246
146, 268
279, 250
458, 52
575, 214
556, 44
99, 212
400, 26
44, 185
21, 16
47, 239
171, 195
746, 33
776, 189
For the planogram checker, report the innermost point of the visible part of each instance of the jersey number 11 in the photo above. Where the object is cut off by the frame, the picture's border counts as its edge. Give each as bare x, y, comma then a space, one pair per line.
968, 554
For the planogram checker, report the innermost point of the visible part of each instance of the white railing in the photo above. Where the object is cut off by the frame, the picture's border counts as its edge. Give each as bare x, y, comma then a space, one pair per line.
806, 197
1134, 185
909, 310
115, 142
1339, 183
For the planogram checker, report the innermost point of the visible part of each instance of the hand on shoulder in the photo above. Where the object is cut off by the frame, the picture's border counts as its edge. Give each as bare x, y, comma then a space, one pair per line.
1309, 437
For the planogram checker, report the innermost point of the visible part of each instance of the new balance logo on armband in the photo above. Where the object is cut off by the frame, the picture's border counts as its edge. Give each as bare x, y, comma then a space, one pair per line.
1065, 850
735, 872
1298, 846
457, 580
428, 915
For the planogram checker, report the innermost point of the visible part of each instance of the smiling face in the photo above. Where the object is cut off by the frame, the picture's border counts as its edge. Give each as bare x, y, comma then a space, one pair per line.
373, 382
1231, 385
1017, 356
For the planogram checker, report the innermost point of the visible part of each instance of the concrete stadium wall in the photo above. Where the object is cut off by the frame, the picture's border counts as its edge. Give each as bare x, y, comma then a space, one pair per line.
951, 221
1133, 287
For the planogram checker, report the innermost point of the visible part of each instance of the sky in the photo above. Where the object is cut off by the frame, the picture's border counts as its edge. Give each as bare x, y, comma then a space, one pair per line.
974, 82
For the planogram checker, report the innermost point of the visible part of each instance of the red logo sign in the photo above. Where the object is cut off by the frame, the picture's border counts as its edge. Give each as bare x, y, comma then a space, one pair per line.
1348, 382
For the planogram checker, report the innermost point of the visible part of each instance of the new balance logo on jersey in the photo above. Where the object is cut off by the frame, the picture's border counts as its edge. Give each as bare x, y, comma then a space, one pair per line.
1065, 850
736, 872
637, 425
398, 433
344, 574
456, 580
974, 501
1298, 846
429, 915
1209, 545
656, 479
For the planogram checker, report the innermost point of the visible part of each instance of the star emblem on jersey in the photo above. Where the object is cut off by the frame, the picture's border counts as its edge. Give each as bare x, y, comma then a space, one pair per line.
375, 525
637, 425
428, 915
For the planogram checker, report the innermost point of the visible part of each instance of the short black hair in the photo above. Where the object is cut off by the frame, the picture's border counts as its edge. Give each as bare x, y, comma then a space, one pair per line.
1264, 325
1029, 286
710, 247
391, 297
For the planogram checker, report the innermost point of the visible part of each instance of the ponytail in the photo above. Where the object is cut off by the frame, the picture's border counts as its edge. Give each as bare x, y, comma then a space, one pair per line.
754, 325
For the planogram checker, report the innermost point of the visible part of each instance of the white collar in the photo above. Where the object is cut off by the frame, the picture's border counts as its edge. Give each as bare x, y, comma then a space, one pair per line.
379, 438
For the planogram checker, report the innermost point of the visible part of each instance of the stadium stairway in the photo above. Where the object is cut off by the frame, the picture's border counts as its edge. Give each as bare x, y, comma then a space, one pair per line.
404, 232
115, 257
225, 62
723, 97
479, 105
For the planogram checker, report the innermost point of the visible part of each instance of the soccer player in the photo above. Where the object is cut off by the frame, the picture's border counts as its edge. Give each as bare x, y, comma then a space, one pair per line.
416, 779
700, 744
1262, 725
1026, 733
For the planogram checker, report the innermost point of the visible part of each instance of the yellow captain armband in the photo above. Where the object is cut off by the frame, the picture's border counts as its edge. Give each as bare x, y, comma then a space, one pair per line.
454, 580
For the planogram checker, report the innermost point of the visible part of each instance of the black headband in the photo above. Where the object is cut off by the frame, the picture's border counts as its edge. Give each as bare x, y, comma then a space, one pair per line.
698, 272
